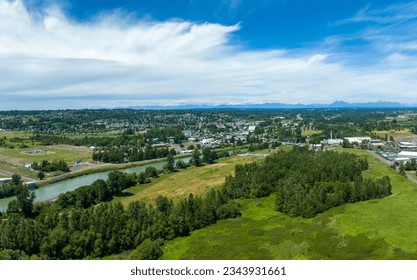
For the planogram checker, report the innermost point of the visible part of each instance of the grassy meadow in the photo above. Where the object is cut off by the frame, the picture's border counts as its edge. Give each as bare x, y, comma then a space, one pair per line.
396, 134
376, 229
180, 184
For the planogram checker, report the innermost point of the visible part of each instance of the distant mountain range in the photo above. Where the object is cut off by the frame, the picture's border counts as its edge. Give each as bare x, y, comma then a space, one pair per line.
334, 105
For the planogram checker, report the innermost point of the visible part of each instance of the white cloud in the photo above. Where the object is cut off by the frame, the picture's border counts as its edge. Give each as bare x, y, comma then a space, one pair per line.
394, 13
46, 58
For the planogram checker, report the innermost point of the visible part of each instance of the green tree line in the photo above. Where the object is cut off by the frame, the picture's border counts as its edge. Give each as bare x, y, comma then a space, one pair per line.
307, 182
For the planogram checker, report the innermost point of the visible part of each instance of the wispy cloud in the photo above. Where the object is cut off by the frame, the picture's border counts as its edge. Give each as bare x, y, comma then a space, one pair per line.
393, 14
48, 60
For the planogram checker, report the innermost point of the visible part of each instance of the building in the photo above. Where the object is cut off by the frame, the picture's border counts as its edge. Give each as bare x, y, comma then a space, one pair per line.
331, 141
358, 140
207, 141
334, 142
407, 146
406, 155
251, 128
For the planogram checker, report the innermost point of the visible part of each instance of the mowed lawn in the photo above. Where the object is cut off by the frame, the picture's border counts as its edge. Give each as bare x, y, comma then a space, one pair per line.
195, 180
376, 229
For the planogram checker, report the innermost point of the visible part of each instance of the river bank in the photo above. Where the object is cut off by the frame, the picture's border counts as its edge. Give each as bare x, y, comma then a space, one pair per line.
104, 167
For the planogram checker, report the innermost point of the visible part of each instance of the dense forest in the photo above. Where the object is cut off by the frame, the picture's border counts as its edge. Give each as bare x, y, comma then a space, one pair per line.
307, 182
55, 231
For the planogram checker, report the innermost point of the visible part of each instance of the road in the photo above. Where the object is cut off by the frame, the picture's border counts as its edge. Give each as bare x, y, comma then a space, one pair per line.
387, 162
9, 174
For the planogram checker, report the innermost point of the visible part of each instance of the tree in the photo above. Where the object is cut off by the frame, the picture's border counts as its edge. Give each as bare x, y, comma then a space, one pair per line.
23, 203
172, 152
170, 166
196, 158
16, 179
209, 156
181, 164
116, 182
401, 170
148, 250
41, 175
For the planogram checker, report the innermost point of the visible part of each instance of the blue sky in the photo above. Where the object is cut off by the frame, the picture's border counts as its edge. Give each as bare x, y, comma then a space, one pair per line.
108, 53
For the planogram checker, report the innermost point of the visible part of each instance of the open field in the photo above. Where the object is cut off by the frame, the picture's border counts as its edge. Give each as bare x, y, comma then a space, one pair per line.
13, 134
39, 153
6, 170
396, 134
376, 229
309, 132
194, 180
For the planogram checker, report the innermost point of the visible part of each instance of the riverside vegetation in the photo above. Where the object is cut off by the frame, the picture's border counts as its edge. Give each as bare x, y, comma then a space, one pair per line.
82, 225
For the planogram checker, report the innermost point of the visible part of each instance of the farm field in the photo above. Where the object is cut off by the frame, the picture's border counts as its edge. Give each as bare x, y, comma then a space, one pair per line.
375, 229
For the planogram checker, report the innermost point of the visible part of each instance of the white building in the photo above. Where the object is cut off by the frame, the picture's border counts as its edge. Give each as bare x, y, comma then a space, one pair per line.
334, 142
358, 140
407, 154
207, 141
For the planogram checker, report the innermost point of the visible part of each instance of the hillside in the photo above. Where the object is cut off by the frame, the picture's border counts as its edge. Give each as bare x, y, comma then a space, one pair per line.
375, 229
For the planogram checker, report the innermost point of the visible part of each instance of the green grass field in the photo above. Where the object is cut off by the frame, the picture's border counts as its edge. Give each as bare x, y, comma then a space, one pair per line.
23, 156
376, 229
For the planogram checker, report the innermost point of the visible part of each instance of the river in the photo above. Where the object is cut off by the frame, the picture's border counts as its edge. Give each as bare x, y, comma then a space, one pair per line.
52, 191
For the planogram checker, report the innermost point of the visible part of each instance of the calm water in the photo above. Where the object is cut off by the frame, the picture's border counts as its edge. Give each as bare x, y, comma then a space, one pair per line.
53, 190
